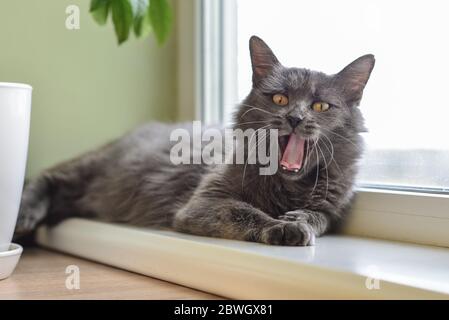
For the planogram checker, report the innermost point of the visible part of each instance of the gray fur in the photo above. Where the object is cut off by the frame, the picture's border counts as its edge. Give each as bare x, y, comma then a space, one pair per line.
132, 180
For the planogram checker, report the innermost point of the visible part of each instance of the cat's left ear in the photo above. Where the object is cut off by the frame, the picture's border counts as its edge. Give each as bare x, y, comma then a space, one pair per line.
263, 59
353, 78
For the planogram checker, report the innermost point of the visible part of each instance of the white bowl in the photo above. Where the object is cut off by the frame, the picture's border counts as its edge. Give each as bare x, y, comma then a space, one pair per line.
9, 259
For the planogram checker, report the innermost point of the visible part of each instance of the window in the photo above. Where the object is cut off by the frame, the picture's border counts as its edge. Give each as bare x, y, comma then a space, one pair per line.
404, 103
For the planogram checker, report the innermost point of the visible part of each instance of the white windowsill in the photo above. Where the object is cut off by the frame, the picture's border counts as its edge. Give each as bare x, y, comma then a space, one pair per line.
337, 267
420, 218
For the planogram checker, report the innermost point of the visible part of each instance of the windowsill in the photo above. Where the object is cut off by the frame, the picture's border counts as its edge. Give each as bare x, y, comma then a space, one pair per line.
414, 217
337, 267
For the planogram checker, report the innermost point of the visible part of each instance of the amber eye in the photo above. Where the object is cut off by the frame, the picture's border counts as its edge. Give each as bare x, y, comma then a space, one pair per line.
280, 99
320, 106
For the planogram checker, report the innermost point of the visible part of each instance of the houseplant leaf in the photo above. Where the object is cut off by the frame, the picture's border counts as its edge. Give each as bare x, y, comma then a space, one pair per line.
99, 10
141, 15
122, 17
141, 22
161, 19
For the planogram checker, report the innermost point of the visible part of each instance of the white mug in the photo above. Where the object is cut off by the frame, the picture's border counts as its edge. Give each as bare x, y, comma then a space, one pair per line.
15, 108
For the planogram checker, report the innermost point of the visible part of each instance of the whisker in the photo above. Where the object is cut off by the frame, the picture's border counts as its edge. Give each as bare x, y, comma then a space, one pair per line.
306, 163
338, 135
317, 168
327, 172
331, 151
251, 122
250, 152
327, 163
252, 108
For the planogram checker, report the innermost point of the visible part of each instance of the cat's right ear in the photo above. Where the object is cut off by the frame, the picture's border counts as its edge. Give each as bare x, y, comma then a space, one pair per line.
263, 59
353, 78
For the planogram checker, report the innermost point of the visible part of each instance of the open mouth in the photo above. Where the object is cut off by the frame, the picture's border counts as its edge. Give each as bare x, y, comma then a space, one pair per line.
293, 151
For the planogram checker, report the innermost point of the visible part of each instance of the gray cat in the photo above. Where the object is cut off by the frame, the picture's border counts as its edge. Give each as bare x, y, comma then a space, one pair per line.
133, 181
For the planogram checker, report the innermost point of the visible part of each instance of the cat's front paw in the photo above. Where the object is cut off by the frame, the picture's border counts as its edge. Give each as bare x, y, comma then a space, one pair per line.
288, 233
318, 221
297, 215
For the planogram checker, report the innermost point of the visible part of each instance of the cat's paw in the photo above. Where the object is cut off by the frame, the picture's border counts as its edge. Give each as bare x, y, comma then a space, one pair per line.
288, 233
297, 215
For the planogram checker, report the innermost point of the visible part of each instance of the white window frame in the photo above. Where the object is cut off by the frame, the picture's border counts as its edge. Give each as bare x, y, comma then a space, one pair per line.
417, 216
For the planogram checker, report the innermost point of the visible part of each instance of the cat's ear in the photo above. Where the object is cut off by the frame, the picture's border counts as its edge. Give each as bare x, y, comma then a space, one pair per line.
353, 78
263, 59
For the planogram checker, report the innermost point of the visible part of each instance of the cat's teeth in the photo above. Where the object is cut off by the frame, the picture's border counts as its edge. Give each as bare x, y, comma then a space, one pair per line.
284, 168
296, 170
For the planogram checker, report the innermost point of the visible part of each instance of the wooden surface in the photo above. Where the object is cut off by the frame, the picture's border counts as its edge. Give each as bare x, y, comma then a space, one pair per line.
41, 274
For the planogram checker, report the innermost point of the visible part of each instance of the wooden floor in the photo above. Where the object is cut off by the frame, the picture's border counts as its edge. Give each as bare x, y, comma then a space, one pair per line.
41, 274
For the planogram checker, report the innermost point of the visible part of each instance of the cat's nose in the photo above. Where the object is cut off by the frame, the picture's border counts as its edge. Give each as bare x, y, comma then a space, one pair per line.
294, 121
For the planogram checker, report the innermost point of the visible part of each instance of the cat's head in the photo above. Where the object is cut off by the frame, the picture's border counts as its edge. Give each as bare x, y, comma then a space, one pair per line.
305, 106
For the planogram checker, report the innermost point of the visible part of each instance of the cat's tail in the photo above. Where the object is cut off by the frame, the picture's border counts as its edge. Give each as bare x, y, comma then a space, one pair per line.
34, 206
53, 195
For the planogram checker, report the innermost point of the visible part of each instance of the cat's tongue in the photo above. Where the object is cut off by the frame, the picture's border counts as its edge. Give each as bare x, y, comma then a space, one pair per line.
294, 153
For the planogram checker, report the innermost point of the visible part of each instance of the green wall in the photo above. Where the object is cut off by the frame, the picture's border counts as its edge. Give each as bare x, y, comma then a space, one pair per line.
87, 89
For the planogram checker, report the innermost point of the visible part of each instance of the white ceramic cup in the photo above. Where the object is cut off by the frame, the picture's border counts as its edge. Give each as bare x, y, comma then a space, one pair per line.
15, 108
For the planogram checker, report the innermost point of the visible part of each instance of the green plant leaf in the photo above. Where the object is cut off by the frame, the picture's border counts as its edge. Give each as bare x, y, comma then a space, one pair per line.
96, 4
122, 17
161, 19
142, 24
99, 10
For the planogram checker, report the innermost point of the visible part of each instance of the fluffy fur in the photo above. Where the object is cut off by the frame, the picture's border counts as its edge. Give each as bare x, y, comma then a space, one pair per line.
133, 181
